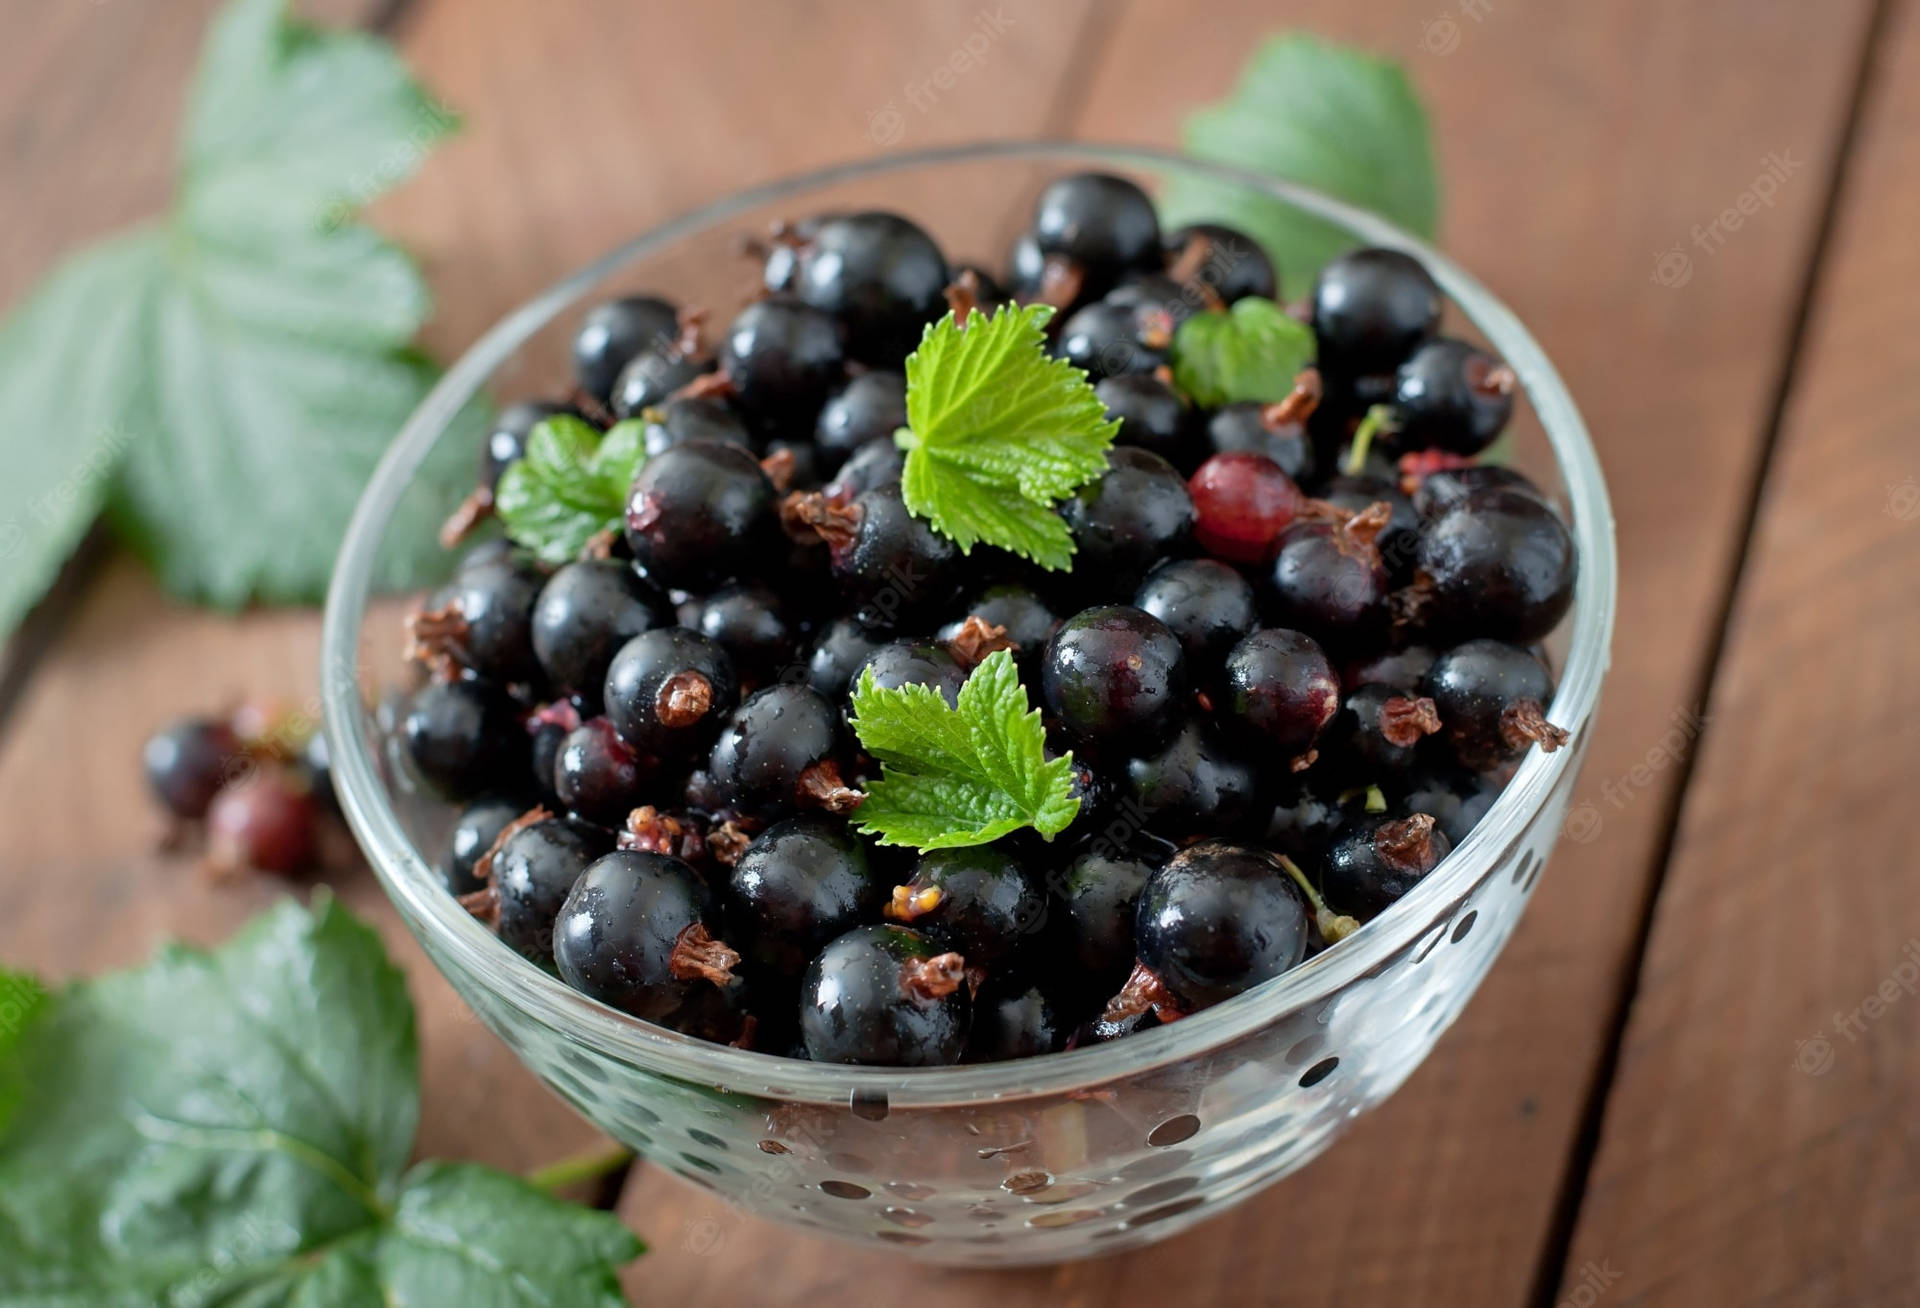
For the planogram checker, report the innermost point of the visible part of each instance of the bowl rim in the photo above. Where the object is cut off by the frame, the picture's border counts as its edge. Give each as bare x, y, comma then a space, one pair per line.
416, 889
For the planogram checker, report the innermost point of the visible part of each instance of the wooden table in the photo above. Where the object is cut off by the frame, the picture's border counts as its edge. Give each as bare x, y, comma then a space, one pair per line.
1689, 1079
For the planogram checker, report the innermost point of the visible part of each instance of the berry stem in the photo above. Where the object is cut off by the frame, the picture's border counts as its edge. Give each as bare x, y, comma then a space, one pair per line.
1334, 927
1378, 419
579, 1168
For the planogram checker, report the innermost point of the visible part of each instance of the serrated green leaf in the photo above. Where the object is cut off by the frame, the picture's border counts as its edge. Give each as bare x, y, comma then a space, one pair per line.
228, 377
964, 774
231, 1126
1328, 116
997, 431
1253, 351
572, 485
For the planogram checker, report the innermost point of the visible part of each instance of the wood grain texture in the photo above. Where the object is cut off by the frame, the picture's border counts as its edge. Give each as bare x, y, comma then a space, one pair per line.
1762, 1141
1575, 145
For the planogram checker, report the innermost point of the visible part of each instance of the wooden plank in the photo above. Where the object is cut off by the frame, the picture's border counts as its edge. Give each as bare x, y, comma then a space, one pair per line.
1759, 1144
1576, 144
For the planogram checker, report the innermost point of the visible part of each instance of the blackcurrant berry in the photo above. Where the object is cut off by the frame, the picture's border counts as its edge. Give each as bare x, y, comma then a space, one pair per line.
1027, 619
912, 663
1095, 898
783, 356
652, 377
264, 821
1193, 786
1242, 502
636, 932
891, 565
1455, 798
1205, 603
838, 654
1115, 678
614, 332
873, 466
1281, 692
483, 619
870, 407
474, 833
1445, 487
667, 687
801, 884
1217, 920
1171, 301
1112, 340
692, 418
1491, 698
879, 273
1104, 223
1249, 428
1374, 737
700, 513
1403, 669
585, 613
465, 738
548, 727
1306, 817
1014, 1019
506, 442
1376, 859
1329, 578
1136, 514
1228, 263
780, 750
1399, 541
1151, 417
532, 872
1371, 307
751, 623
887, 996
1498, 564
978, 901
1451, 396
598, 776
188, 762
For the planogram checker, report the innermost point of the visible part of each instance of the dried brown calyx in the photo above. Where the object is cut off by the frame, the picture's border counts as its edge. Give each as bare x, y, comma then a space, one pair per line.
928, 979
976, 639
683, 699
697, 956
908, 904
1406, 845
963, 295
484, 905
1143, 993
600, 544
437, 638
1408, 607
468, 514
1061, 281
1405, 719
1524, 723
808, 516
1490, 376
1156, 329
780, 467
1299, 404
822, 786
483, 866
654, 832
1191, 266
729, 841
716, 385
686, 344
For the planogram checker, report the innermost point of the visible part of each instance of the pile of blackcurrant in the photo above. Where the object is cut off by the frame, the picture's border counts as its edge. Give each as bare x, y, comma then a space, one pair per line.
1295, 659
256, 781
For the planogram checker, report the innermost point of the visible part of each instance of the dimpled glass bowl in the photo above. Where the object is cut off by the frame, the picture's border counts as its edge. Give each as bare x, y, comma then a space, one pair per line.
1095, 1150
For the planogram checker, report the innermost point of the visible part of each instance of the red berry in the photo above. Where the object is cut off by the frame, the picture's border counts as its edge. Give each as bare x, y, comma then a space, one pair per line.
264, 821
1242, 502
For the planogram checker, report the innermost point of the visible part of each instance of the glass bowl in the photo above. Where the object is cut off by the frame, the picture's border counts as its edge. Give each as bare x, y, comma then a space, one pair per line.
1037, 1160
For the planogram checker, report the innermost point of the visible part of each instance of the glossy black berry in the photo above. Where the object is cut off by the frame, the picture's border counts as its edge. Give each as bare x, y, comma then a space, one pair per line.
1228, 263
1111, 340
1115, 678
1159, 292
585, 613
1151, 417
1206, 604
1398, 541
491, 607
886, 996
1094, 902
1442, 489
750, 621
1376, 859
779, 751
978, 901
700, 514
1451, 396
875, 465
1029, 621
1281, 691
652, 376
838, 653
1403, 669
465, 738
1455, 798
912, 663
1499, 564
533, 871
799, 885
1249, 427
598, 776
1375, 737
611, 335
548, 727
635, 933
1195, 785
1332, 581
1015, 1019
1217, 920
1371, 307
188, 762
506, 442
1491, 698
1104, 223
474, 833
879, 274
783, 356
891, 565
1307, 815
667, 688
1136, 514
692, 418
871, 406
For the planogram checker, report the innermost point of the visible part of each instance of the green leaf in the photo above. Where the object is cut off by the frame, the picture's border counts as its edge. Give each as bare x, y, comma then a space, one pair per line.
225, 379
997, 431
1328, 116
572, 485
1253, 351
960, 775
21, 1001
231, 1126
